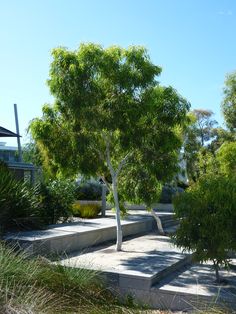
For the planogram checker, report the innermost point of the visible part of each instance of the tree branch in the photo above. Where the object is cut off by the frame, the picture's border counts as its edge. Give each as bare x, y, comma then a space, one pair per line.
108, 155
122, 163
106, 183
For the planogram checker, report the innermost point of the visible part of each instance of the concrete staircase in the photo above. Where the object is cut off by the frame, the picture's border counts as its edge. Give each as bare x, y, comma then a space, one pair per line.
149, 267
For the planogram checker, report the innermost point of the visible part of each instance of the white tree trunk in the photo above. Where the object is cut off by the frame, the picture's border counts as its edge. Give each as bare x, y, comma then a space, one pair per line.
158, 221
118, 222
114, 176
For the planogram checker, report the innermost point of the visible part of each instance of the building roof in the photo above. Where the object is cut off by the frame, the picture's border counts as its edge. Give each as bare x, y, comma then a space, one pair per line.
7, 133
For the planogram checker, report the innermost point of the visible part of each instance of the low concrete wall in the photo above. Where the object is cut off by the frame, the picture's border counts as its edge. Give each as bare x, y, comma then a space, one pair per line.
67, 242
158, 206
169, 300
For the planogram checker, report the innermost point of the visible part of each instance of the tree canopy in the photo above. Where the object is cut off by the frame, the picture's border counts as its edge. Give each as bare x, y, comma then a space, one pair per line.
110, 116
229, 102
198, 136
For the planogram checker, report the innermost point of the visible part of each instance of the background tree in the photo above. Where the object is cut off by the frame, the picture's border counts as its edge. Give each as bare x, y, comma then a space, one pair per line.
220, 137
229, 102
204, 125
198, 136
207, 213
113, 113
226, 158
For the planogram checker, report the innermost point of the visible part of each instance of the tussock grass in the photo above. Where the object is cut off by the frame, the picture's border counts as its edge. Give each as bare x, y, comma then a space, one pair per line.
35, 286
30, 286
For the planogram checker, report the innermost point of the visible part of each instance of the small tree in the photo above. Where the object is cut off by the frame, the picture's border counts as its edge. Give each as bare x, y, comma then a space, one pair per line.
207, 213
198, 134
229, 102
113, 114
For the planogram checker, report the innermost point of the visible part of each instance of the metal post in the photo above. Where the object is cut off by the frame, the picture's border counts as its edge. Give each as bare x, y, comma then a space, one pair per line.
18, 133
104, 193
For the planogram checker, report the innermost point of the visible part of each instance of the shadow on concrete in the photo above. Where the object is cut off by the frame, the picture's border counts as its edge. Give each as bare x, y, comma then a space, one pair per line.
191, 278
151, 262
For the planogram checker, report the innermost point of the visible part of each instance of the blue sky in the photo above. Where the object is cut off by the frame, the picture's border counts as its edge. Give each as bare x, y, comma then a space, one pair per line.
193, 41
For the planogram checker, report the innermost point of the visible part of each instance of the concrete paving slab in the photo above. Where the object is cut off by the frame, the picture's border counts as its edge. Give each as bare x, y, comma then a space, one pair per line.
142, 262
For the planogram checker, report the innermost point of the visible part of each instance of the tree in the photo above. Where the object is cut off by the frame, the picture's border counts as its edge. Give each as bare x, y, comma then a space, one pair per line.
229, 102
112, 113
220, 137
204, 125
198, 134
207, 213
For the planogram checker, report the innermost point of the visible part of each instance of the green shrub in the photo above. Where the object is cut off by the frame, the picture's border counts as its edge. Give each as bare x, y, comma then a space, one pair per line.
168, 192
86, 210
226, 156
207, 213
19, 203
91, 191
57, 197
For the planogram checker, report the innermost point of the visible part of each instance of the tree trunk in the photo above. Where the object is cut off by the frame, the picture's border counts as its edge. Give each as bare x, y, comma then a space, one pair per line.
158, 221
118, 223
216, 266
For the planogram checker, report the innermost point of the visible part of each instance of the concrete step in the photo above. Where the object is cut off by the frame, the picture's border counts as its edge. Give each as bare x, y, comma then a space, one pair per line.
70, 237
161, 207
192, 288
168, 220
143, 262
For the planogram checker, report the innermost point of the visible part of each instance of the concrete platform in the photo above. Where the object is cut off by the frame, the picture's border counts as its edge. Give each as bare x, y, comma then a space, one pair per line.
155, 272
143, 261
84, 233
190, 288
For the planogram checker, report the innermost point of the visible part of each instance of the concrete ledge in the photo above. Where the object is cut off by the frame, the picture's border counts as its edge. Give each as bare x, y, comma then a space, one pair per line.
72, 237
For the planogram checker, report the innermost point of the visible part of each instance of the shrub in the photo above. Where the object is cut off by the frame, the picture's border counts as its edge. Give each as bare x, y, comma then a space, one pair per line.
19, 203
86, 210
57, 197
226, 156
168, 192
89, 191
207, 213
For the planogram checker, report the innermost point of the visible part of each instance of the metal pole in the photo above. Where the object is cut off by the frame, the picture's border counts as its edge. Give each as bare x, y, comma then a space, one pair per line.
18, 133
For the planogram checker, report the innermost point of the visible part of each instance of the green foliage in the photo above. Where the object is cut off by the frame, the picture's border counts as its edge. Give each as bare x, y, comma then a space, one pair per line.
139, 185
3, 166
31, 154
38, 286
220, 137
109, 97
19, 203
207, 213
226, 157
89, 191
55, 143
168, 192
86, 210
229, 102
57, 197
197, 146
